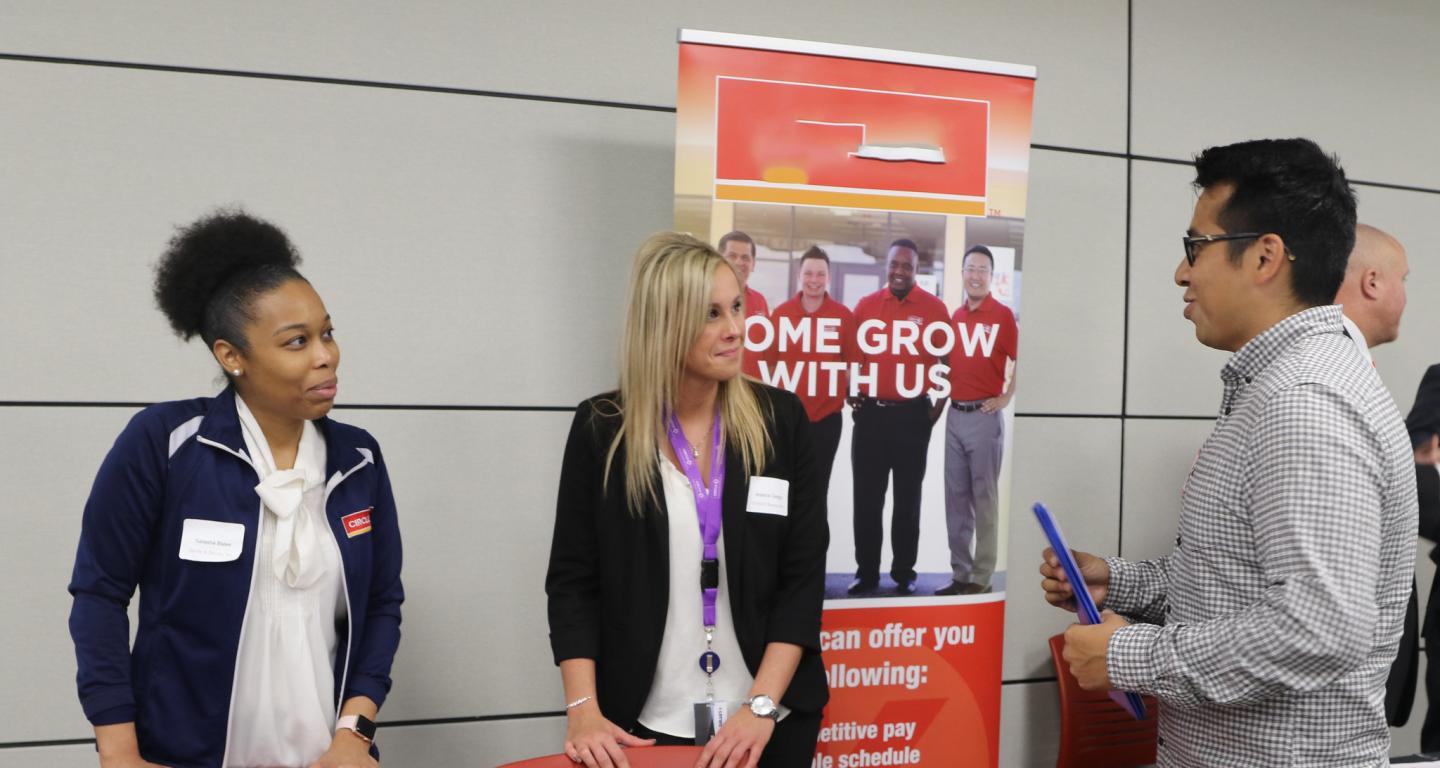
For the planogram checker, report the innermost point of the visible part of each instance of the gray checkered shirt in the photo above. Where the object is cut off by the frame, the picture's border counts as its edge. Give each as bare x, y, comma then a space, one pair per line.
1268, 632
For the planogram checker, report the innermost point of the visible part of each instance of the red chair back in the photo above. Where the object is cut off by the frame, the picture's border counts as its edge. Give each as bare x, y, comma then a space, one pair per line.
639, 757
1094, 730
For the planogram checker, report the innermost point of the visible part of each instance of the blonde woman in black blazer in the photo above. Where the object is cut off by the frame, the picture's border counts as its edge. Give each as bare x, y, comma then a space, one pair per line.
612, 580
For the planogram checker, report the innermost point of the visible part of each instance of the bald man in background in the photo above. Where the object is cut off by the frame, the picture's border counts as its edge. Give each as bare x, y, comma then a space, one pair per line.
1373, 294
1373, 298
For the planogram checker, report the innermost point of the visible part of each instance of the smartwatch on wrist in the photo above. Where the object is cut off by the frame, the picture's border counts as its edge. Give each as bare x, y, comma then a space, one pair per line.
362, 726
763, 706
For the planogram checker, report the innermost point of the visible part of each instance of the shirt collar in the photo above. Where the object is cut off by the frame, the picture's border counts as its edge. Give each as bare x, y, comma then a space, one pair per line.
1259, 352
1357, 336
986, 304
825, 301
909, 296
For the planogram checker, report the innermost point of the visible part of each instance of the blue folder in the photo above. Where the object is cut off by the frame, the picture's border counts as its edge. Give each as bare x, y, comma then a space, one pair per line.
1089, 614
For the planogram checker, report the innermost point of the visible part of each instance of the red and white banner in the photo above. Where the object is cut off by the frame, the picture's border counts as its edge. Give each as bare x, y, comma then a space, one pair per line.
851, 153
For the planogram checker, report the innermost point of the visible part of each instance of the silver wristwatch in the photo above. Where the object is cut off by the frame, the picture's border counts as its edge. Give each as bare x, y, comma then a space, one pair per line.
763, 706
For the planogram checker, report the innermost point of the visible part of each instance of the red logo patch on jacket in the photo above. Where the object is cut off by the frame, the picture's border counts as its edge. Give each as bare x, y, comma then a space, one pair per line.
357, 523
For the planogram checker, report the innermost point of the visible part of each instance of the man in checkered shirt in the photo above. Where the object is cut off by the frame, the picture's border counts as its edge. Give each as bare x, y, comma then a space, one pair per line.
1267, 633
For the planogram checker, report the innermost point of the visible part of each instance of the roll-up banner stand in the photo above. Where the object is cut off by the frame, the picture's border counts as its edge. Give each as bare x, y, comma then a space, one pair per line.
846, 149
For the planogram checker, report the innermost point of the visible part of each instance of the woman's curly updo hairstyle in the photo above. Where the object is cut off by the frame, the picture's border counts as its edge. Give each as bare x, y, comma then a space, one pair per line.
213, 270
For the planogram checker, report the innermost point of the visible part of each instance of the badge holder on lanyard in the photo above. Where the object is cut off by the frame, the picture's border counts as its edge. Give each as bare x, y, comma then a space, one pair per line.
707, 511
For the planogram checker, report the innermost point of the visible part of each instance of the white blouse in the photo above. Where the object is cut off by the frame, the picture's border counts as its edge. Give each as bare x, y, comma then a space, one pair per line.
283, 710
679, 682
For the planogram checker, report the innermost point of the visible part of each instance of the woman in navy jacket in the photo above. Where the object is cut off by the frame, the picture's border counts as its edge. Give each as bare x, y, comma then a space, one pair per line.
222, 561
626, 606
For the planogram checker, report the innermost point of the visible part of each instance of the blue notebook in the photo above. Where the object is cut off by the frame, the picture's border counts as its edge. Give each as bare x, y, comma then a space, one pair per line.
1089, 614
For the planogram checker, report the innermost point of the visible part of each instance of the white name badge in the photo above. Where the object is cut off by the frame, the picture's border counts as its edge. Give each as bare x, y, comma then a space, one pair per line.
209, 541
769, 496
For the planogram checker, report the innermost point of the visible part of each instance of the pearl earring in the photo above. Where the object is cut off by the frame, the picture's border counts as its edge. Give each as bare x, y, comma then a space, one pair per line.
236, 371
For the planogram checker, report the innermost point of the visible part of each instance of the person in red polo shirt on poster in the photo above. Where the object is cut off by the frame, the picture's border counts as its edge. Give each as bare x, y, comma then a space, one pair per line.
892, 418
985, 342
738, 248
813, 362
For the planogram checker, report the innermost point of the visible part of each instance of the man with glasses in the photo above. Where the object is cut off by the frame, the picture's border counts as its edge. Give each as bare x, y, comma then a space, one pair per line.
985, 344
1268, 630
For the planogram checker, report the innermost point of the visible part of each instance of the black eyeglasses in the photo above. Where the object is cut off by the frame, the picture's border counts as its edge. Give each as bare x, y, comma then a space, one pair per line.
1193, 243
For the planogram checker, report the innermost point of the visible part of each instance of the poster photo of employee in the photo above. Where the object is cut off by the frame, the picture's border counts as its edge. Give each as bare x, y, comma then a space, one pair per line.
813, 347
984, 351
738, 248
892, 425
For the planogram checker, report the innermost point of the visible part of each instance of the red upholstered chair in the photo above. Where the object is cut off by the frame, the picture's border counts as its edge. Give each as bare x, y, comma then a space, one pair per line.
1094, 730
639, 757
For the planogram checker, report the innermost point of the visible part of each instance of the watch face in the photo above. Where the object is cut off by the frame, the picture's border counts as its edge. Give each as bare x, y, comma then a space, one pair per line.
762, 706
365, 727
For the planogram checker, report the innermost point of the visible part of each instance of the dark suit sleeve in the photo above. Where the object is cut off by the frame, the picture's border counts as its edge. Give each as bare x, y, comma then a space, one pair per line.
572, 582
371, 672
795, 615
1427, 486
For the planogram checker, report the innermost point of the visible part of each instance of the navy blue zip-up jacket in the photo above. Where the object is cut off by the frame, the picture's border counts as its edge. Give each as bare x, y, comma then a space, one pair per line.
186, 459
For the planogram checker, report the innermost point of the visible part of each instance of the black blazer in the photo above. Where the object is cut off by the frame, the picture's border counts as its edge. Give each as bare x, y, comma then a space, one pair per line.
608, 581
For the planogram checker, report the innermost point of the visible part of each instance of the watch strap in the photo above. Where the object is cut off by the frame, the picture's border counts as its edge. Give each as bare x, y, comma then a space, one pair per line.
763, 702
363, 726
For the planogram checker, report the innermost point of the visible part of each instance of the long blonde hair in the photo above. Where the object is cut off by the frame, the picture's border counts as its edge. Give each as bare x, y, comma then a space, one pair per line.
669, 299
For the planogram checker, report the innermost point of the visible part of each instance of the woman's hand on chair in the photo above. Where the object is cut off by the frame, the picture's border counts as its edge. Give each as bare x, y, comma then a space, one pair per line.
739, 743
595, 742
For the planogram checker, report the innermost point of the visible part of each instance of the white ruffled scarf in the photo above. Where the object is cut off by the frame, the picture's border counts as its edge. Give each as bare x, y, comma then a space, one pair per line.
295, 559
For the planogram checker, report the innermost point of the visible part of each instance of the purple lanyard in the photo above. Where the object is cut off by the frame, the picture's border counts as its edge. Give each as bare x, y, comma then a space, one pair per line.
707, 507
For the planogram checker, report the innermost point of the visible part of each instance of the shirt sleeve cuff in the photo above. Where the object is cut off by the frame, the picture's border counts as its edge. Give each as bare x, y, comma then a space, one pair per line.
124, 713
1129, 658
1119, 596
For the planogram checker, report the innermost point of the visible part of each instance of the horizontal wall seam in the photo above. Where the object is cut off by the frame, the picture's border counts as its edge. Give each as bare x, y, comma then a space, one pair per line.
347, 406
50, 743
1028, 680
543, 409
332, 81
451, 90
471, 719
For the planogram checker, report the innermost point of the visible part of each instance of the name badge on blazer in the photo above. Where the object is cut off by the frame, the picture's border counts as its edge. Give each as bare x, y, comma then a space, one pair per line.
769, 496
211, 541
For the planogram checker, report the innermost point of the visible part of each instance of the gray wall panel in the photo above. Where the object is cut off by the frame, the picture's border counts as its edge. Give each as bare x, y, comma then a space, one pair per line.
73, 756
1073, 466
1358, 79
1072, 302
48, 461
476, 498
591, 51
511, 222
1169, 372
1029, 725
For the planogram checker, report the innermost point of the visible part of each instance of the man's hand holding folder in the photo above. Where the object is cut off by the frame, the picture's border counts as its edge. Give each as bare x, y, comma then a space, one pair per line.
1059, 592
1086, 646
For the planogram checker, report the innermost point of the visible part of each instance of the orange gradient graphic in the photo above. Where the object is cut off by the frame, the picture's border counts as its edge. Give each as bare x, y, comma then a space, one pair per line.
938, 706
1007, 150
784, 142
